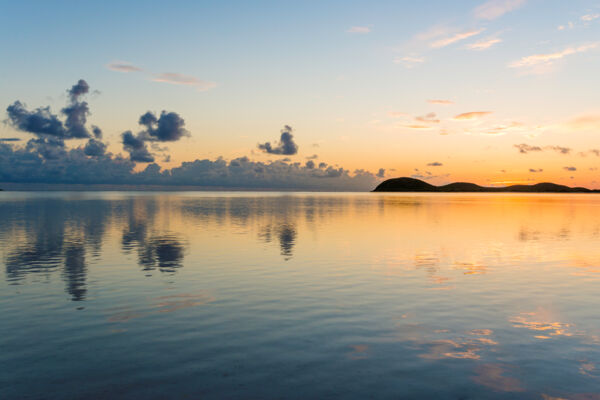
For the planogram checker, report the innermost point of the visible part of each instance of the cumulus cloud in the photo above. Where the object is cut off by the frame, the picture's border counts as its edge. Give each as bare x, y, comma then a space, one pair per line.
440, 101
94, 148
42, 122
286, 145
121, 66
454, 38
175, 78
359, 29
168, 127
483, 44
27, 165
471, 115
136, 146
435, 164
381, 173
493, 9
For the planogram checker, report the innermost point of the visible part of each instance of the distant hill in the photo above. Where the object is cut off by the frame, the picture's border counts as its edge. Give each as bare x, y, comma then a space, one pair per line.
416, 185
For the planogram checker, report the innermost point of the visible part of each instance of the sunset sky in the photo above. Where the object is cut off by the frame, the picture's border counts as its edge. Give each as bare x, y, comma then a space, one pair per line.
492, 92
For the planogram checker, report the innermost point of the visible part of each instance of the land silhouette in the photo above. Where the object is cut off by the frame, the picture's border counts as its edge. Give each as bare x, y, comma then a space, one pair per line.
416, 185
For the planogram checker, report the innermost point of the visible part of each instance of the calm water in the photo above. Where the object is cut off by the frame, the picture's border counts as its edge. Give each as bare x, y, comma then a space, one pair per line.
224, 296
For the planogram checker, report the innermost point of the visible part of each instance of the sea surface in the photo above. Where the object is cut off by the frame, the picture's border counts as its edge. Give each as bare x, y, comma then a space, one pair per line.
216, 295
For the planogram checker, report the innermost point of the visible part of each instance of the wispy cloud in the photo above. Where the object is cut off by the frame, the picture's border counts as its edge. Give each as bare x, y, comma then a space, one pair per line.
122, 66
175, 78
428, 118
359, 29
548, 58
483, 44
435, 164
571, 169
536, 170
409, 61
417, 126
589, 17
440, 101
526, 148
454, 38
585, 122
493, 9
471, 115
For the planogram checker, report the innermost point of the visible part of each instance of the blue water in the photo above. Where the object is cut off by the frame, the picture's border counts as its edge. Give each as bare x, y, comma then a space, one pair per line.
215, 295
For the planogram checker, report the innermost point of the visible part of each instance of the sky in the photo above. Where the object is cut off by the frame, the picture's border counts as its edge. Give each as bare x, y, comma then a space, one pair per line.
493, 92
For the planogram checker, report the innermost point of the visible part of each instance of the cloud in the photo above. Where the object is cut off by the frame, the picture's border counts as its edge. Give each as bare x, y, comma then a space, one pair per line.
571, 169
136, 147
42, 122
428, 118
10, 139
585, 122
381, 173
169, 127
589, 17
121, 66
94, 148
26, 165
175, 78
441, 102
313, 157
525, 148
286, 145
483, 44
471, 115
435, 164
493, 9
549, 58
535, 170
559, 149
409, 61
359, 29
417, 126
454, 38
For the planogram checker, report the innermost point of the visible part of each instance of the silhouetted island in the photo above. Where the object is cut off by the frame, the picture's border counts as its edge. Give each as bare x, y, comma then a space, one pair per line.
416, 185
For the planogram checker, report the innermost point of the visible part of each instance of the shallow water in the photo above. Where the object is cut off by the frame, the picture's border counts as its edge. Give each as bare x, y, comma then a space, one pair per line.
269, 295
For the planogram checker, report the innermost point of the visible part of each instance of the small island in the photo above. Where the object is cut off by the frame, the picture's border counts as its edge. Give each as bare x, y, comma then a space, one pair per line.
417, 185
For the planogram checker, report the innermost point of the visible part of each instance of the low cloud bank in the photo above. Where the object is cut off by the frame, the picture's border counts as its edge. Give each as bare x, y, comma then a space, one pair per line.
28, 165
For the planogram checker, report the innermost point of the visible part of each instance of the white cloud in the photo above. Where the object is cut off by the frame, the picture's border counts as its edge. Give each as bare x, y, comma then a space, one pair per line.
590, 17
549, 58
454, 38
493, 9
409, 61
483, 44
